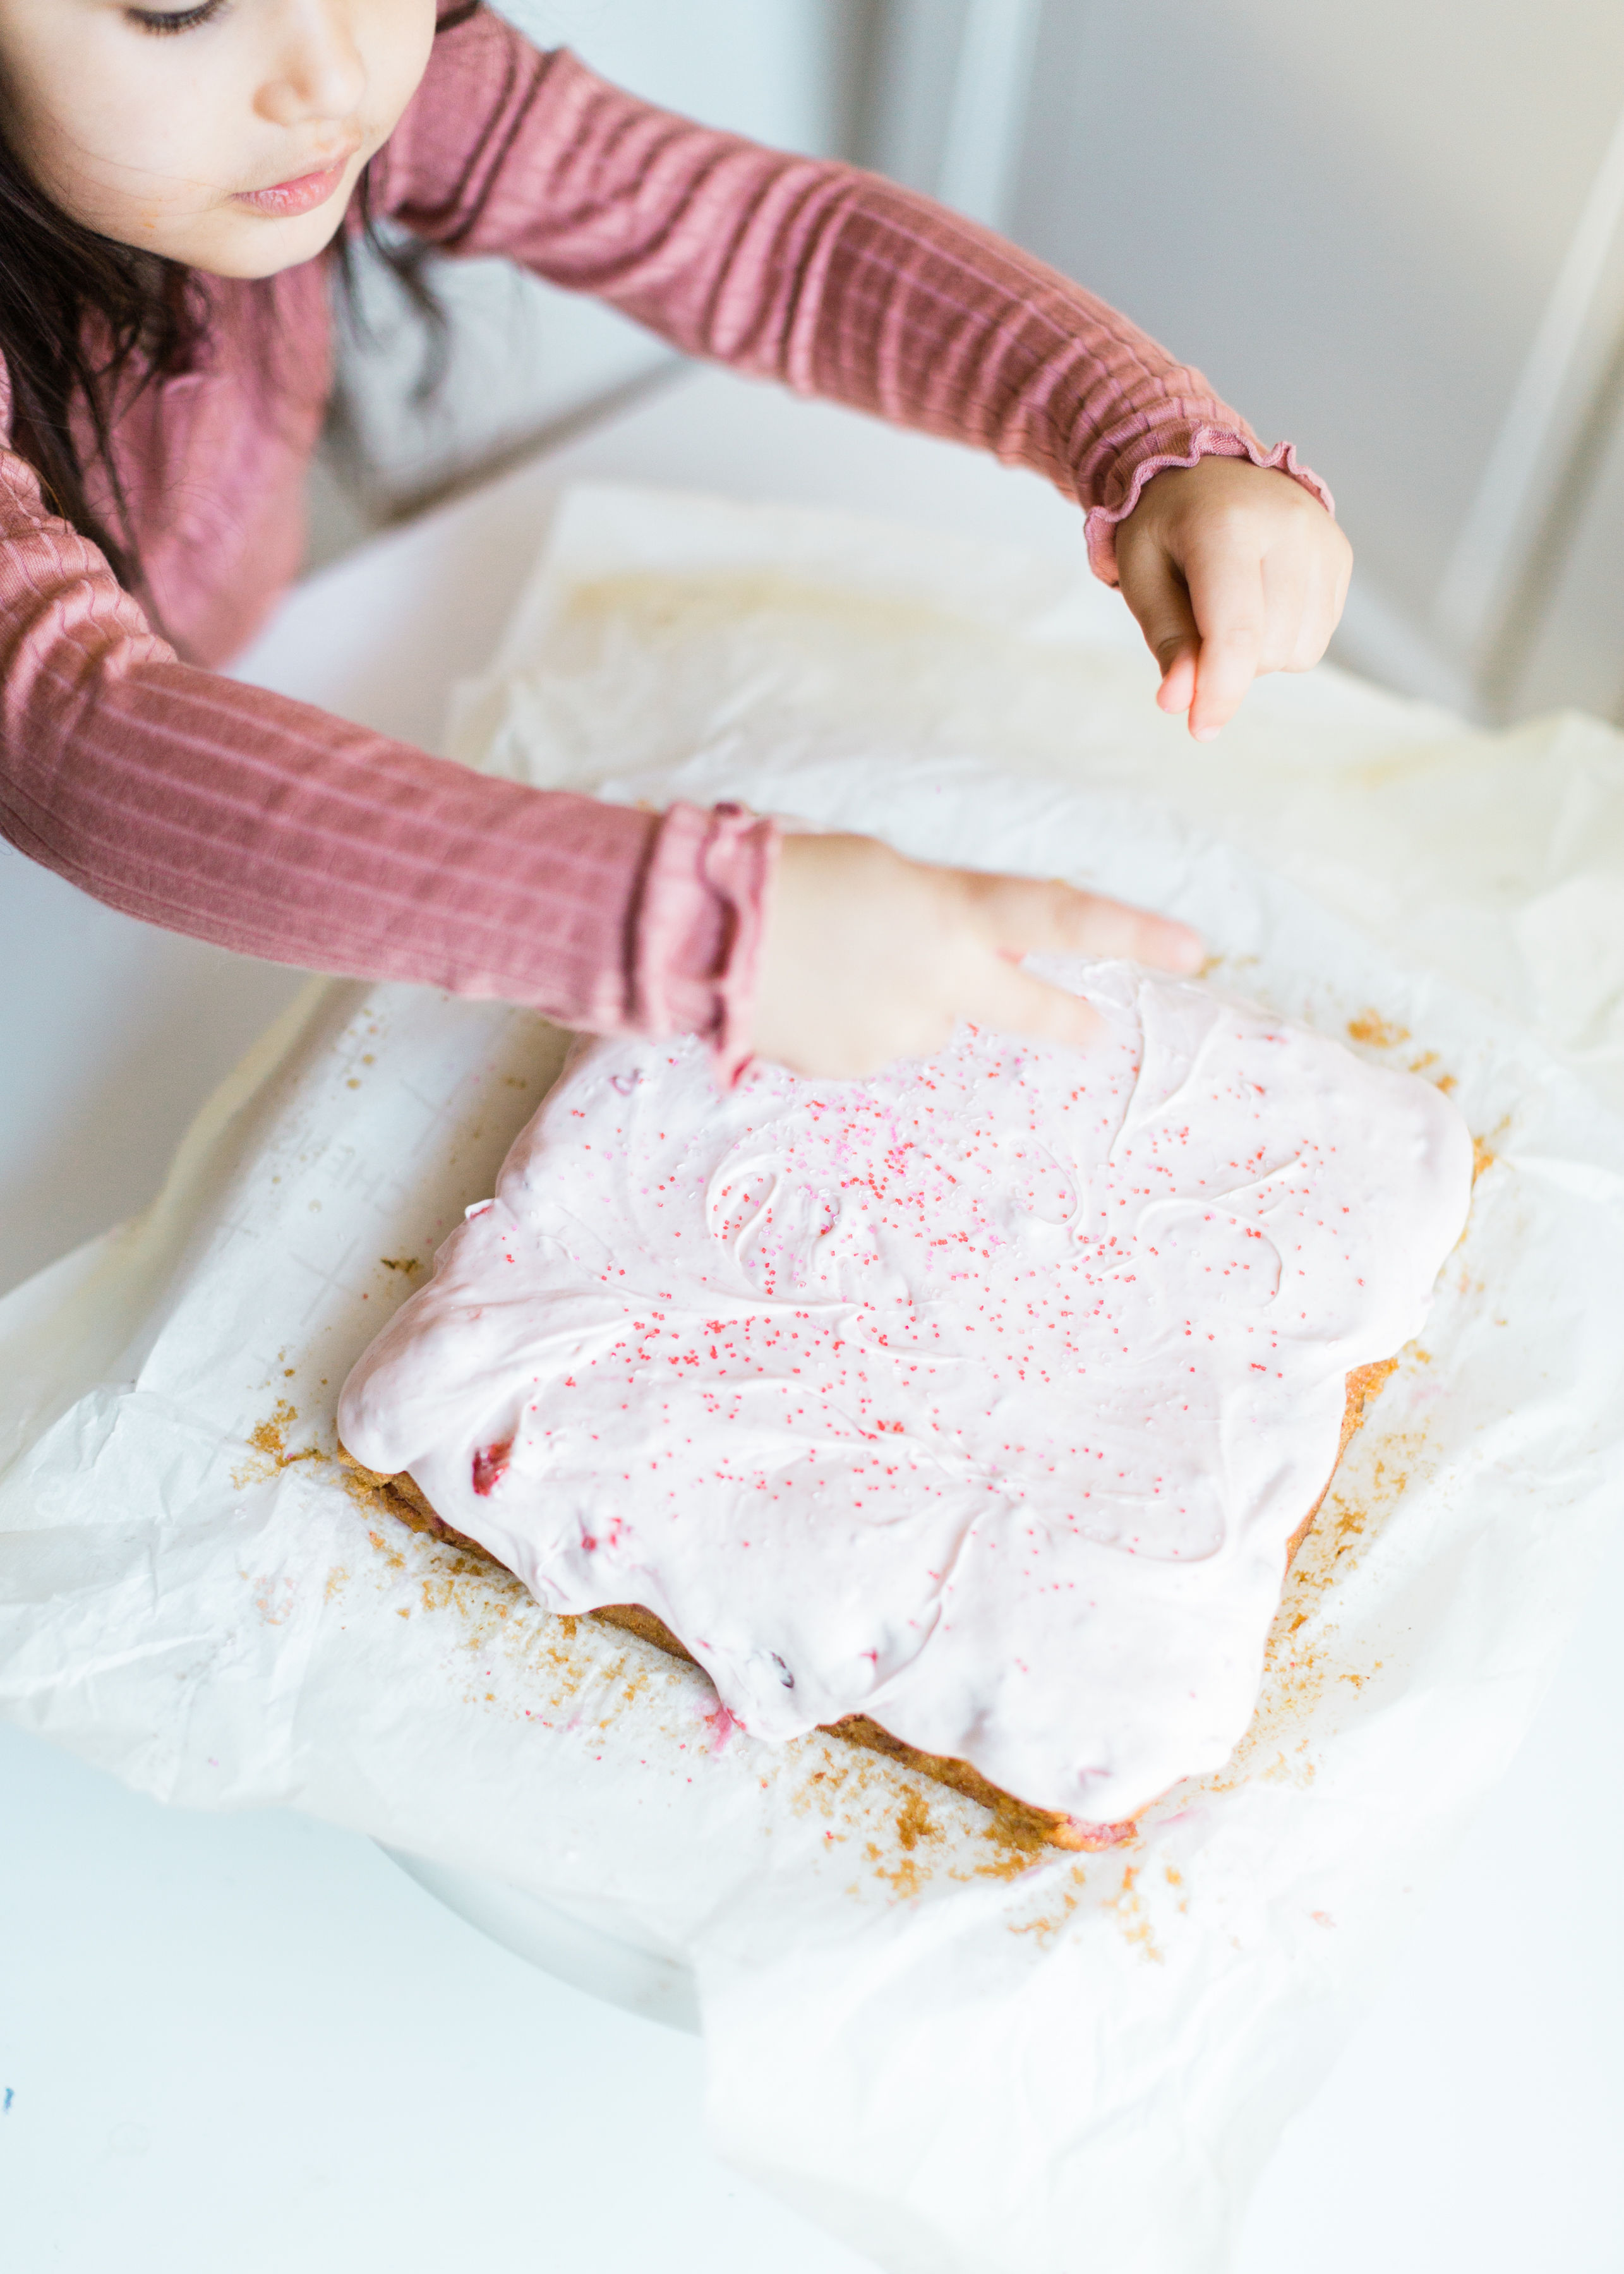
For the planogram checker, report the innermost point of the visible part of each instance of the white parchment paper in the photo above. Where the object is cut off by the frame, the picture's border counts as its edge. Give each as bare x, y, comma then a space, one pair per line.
952, 2054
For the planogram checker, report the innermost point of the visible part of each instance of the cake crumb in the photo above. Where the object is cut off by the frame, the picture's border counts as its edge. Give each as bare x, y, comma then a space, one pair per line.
268, 1440
1048, 1924
1380, 1033
1128, 1906
914, 1821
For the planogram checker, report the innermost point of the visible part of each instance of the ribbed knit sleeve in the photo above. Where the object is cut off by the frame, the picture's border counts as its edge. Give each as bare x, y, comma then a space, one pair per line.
239, 816
817, 274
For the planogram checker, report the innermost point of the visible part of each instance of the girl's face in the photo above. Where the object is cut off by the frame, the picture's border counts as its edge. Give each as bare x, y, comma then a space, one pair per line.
228, 135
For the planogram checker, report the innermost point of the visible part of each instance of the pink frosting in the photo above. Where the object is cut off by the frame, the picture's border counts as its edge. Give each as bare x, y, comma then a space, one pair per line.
982, 1397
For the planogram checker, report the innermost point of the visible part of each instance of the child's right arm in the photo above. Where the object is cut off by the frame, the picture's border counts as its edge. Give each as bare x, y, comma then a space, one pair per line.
234, 814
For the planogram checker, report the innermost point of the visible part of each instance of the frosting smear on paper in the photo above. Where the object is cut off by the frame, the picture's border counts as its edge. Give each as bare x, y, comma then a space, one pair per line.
982, 1397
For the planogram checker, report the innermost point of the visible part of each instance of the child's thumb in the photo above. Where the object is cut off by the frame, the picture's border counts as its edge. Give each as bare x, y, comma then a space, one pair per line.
1013, 1002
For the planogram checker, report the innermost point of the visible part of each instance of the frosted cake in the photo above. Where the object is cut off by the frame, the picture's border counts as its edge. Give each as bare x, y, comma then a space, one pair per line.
976, 1406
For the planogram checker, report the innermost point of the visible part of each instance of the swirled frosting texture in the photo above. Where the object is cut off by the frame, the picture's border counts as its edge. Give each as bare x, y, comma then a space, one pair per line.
982, 1397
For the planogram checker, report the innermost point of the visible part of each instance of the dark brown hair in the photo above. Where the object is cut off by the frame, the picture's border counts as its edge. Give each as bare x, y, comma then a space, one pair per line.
86, 322
77, 311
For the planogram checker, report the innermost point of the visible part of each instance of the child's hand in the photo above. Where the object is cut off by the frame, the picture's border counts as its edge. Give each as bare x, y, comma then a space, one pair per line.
1232, 570
868, 956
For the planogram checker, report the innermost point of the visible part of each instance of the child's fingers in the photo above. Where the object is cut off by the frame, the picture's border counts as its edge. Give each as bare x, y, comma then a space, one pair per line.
1333, 569
1024, 915
1304, 589
1231, 613
1012, 1001
1178, 680
1156, 593
866, 956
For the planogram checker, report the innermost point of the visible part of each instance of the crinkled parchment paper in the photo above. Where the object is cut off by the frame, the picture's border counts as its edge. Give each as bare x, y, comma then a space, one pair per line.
955, 2054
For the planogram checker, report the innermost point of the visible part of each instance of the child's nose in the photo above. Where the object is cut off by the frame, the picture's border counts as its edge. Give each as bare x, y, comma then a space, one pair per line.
318, 72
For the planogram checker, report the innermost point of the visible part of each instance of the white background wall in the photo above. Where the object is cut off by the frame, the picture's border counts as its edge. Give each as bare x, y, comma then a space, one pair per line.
763, 66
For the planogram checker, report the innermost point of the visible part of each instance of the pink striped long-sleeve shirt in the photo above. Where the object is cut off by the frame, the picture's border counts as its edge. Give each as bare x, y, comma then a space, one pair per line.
237, 816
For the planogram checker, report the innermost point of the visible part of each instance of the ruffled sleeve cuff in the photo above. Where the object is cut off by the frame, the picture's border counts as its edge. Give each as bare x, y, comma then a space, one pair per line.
1162, 447
699, 922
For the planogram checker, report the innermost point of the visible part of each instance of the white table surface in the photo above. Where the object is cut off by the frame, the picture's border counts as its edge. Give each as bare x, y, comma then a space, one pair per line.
377, 2086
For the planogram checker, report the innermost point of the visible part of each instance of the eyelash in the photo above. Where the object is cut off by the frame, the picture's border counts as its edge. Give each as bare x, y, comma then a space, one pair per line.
181, 19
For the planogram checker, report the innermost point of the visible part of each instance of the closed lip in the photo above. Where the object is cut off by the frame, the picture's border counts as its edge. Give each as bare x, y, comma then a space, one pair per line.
300, 192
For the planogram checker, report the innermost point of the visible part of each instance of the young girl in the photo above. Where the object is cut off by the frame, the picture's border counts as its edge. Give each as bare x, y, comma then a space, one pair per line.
173, 183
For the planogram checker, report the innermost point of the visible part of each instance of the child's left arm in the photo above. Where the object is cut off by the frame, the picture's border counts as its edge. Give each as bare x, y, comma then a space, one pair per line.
840, 284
